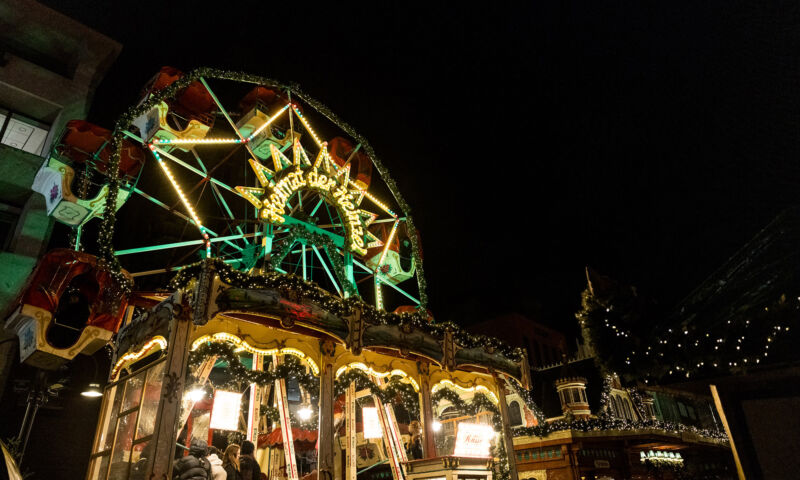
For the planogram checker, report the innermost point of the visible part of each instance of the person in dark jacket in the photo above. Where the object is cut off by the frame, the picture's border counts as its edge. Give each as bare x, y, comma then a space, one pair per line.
247, 462
414, 447
230, 462
193, 466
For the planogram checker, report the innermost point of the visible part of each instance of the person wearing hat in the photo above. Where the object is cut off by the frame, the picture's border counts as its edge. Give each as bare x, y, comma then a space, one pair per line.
193, 466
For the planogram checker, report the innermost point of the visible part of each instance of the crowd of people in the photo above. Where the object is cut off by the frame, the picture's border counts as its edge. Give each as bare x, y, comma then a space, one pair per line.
204, 463
239, 463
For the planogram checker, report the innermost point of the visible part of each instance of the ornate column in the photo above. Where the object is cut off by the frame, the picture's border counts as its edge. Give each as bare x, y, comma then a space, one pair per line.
325, 456
169, 408
426, 410
509, 439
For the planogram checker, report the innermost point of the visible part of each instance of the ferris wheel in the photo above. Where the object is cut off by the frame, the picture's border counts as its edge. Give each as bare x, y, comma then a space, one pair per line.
266, 179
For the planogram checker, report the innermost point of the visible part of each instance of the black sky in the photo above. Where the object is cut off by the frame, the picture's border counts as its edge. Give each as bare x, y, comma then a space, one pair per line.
648, 141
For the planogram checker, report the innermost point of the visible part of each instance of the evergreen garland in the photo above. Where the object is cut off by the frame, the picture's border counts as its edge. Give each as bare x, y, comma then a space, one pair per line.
240, 374
527, 397
273, 415
292, 285
479, 403
609, 423
396, 392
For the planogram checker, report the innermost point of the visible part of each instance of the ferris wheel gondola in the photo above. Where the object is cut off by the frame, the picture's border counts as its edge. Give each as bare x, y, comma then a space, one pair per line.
187, 117
74, 179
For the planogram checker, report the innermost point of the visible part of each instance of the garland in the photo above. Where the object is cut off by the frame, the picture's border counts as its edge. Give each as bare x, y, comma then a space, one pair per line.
395, 392
479, 403
105, 238
291, 368
616, 327
527, 397
297, 232
605, 398
609, 423
273, 415
292, 285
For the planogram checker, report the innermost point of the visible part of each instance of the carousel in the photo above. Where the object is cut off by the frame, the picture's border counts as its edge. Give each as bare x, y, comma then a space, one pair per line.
269, 287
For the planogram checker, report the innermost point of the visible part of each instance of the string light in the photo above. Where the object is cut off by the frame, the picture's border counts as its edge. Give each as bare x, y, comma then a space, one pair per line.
244, 346
307, 125
371, 371
249, 193
267, 123
374, 200
388, 243
185, 141
476, 389
184, 200
131, 357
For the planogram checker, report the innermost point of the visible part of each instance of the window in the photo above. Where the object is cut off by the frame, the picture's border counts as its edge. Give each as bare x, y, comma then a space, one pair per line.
576, 397
22, 133
126, 425
617, 407
514, 414
583, 396
682, 410
629, 407
9, 216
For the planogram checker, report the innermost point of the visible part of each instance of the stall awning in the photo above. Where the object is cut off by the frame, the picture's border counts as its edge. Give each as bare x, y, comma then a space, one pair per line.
303, 439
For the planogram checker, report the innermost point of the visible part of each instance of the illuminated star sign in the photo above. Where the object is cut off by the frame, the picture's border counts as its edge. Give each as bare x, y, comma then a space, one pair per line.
278, 186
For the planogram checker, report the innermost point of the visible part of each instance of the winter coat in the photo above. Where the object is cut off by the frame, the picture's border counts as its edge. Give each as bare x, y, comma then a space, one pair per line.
192, 468
414, 449
217, 472
232, 473
250, 468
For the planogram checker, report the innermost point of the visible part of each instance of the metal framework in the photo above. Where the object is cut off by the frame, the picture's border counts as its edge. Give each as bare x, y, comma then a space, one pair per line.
215, 185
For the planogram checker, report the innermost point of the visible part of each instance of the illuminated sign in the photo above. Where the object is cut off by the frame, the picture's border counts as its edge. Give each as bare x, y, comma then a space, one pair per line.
659, 456
320, 177
372, 424
225, 413
473, 440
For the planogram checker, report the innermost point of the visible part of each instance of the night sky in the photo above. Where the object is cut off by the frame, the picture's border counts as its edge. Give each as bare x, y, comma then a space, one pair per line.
650, 142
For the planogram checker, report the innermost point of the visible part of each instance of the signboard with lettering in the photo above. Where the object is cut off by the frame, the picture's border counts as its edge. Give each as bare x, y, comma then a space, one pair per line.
473, 440
225, 412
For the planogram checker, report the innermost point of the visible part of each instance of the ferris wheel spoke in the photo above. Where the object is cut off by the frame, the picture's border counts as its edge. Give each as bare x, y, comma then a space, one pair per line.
228, 117
381, 279
221, 200
199, 161
195, 170
327, 270
166, 246
171, 269
166, 207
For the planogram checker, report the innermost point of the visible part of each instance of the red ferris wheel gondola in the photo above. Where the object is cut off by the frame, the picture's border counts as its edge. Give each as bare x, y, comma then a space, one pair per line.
188, 116
67, 308
343, 151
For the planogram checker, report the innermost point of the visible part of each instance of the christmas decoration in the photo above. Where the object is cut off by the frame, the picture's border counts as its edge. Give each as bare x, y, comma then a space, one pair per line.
241, 374
398, 393
124, 122
657, 354
342, 307
611, 424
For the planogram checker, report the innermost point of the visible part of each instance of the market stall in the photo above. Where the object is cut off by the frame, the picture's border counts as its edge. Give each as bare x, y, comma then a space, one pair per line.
294, 329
